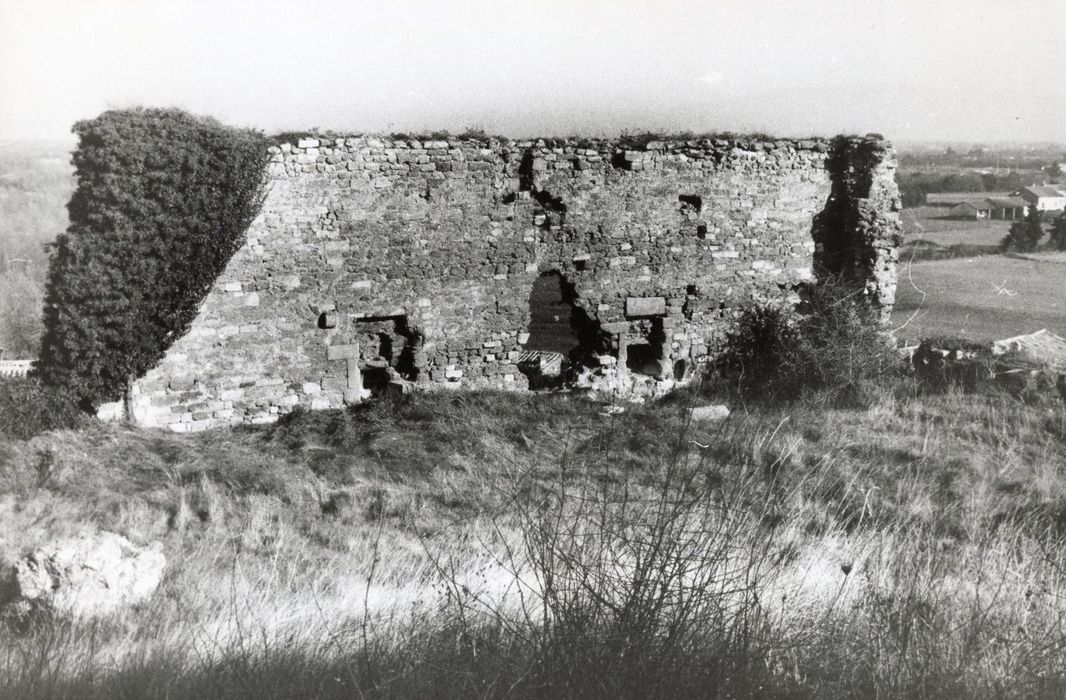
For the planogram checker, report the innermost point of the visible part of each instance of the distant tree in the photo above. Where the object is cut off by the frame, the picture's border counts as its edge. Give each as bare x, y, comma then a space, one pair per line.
20, 313
1024, 235
959, 182
162, 202
1057, 235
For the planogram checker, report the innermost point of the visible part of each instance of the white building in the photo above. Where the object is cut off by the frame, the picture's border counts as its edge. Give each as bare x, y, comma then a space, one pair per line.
1044, 197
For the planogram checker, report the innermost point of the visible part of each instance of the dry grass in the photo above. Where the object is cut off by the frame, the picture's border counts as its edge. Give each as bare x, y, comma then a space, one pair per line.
529, 546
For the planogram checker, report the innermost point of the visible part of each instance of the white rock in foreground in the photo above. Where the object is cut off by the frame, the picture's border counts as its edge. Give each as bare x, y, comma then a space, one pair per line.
90, 575
710, 413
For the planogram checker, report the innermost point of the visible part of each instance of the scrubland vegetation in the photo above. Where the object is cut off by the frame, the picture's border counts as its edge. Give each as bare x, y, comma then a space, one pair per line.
897, 544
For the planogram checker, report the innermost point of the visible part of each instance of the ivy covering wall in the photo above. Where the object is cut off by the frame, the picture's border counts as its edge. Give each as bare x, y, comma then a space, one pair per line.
162, 201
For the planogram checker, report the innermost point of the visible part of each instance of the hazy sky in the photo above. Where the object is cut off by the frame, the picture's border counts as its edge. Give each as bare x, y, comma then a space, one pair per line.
912, 69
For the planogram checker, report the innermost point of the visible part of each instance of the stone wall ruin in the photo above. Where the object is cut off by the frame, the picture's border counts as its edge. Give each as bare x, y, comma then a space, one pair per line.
378, 258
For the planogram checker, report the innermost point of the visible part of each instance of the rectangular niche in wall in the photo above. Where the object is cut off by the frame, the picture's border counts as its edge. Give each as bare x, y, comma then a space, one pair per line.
645, 349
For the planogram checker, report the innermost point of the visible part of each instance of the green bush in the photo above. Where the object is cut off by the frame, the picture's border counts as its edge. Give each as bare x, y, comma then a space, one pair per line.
833, 343
1057, 235
162, 201
28, 407
1025, 234
760, 352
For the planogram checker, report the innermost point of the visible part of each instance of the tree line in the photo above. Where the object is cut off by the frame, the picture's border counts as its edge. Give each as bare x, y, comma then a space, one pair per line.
914, 186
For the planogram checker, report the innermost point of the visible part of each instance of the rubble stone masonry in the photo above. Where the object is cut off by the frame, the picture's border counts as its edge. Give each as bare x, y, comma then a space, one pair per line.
375, 258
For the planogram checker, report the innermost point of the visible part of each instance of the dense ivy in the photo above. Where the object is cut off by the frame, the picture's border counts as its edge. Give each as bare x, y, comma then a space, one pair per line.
162, 201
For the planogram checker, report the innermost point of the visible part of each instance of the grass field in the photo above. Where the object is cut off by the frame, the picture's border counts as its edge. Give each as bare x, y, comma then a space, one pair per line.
953, 282
930, 235
491, 545
981, 298
933, 224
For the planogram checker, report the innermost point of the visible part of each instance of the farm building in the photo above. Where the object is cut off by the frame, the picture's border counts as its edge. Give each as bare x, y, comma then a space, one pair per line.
11, 369
972, 209
1006, 208
1044, 197
1009, 208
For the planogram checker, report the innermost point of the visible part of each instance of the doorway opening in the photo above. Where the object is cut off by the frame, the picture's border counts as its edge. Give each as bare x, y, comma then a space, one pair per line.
561, 333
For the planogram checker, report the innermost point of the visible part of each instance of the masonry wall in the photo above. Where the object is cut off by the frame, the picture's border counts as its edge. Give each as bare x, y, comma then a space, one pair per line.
377, 258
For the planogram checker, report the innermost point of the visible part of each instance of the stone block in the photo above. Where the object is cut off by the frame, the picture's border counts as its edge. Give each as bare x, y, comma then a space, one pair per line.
645, 306
334, 384
182, 383
342, 352
399, 389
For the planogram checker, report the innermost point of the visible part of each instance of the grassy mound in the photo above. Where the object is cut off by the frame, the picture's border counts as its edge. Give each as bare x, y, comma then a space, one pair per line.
537, 546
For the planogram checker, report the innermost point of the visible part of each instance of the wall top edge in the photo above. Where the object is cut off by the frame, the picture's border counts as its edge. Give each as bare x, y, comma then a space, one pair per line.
597, 145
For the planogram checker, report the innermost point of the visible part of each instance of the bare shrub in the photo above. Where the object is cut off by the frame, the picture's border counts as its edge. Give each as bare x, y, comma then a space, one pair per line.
833, 344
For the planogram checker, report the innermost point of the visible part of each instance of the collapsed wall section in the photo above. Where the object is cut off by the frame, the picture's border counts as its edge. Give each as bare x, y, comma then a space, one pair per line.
375, 260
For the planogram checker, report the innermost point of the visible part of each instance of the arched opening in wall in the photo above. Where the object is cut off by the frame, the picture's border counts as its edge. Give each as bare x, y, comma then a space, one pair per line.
550, 309
387, 350
561, 333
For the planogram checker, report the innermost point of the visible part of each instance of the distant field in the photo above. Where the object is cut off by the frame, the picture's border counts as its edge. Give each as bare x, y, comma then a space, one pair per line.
981, 298
931, 224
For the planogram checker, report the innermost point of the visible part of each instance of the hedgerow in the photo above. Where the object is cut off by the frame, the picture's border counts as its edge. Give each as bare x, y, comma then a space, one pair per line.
162, 201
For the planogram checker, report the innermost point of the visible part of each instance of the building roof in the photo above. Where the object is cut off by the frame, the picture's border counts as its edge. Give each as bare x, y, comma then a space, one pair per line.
976, 204
1044, 191
1007, 202
1042, 348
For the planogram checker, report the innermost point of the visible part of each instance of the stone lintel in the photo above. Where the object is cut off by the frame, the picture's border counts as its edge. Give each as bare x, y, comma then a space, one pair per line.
342, 352
645, 306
